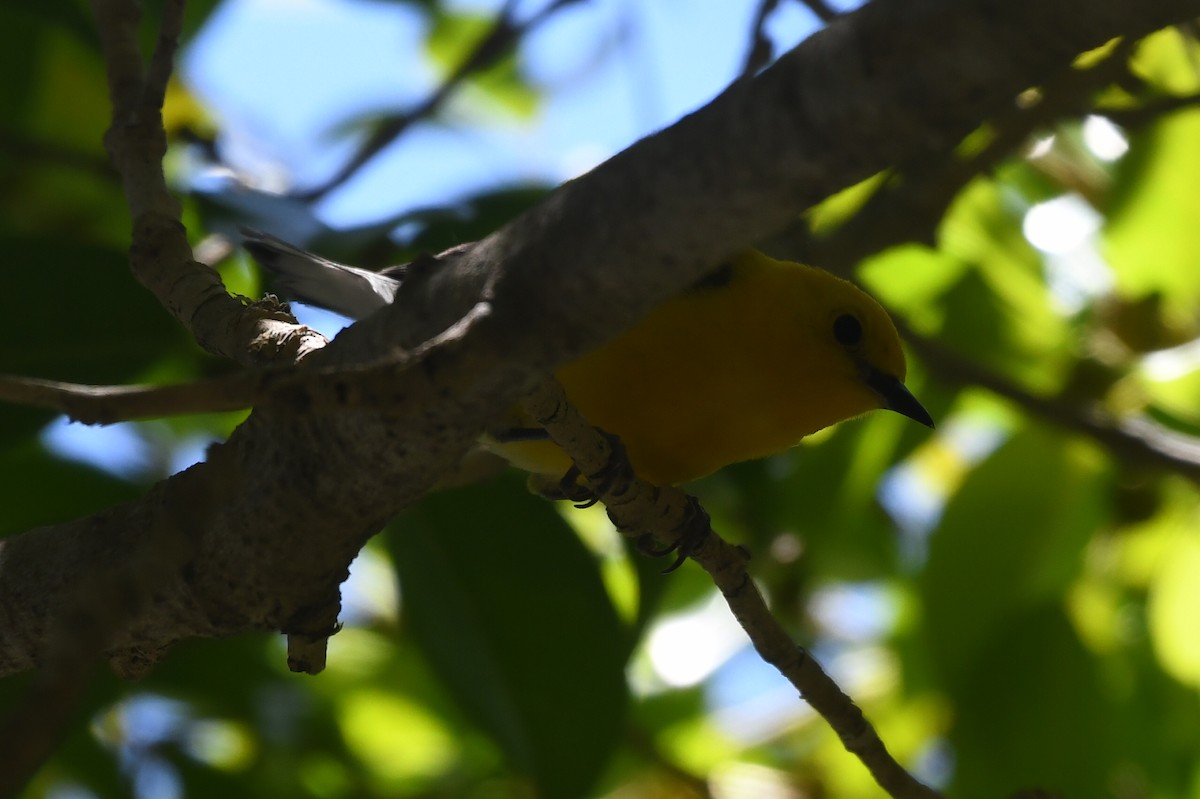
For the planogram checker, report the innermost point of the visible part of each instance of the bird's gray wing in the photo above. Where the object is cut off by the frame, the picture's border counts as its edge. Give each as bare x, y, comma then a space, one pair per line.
311, 279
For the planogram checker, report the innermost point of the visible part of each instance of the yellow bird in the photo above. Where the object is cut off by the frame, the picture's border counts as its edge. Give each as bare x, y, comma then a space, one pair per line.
745, 364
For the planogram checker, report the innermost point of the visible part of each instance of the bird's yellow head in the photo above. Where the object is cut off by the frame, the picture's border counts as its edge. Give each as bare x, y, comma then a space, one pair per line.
838, 342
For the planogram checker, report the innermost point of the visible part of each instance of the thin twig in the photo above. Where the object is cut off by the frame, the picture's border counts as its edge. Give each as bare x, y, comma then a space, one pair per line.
822, 10
1131, 440
109, 404
676, 519
313, 391
160, 256
158, 74
759, 54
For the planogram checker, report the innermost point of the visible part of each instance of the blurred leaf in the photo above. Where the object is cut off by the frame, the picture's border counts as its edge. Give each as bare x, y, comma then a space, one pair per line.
183, 111
20, 41
992, 558
81, 314
54, 174
1174, 608
65, 68
1004, 316
982, 227
185, 675
81, 758
70, 16
1031, 711
1176, 401
1143, 324
454, 35
1152, 239
1031, 184
980, 325
909, 279
510, 609
974, 324
452, 39
398, 739
832, 212
824, 491
1167, 59
66, 196
82, 318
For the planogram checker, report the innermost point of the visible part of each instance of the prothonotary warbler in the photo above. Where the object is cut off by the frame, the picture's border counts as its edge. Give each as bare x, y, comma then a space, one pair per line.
743, 365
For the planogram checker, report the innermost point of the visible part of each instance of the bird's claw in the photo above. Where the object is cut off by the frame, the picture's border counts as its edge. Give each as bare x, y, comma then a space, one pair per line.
691, 534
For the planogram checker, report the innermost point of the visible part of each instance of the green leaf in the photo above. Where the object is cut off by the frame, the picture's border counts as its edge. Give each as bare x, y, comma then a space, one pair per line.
1174, 608
21, 39
81, 315
1011, 538
1000, 311
509, 607
499, 87
1151, 239
1167, 59
824, 491
909, 279
70, 16
1033, 713
67, 67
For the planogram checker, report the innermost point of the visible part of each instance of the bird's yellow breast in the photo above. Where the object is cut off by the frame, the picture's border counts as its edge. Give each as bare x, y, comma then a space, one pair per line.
725, 373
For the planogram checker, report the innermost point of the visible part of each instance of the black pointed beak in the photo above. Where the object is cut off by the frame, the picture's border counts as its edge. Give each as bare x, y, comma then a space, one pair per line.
897, 398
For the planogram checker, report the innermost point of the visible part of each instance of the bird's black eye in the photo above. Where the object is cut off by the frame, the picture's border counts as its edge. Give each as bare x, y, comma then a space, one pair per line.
847, 330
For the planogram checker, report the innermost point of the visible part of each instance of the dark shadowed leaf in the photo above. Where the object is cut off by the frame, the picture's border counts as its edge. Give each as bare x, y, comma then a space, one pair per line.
509, 607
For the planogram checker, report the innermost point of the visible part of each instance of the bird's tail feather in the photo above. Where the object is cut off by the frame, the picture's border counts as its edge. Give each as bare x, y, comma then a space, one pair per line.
311, 279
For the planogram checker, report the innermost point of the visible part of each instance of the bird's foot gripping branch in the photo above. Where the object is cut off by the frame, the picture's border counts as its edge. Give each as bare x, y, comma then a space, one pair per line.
614, 472
610, 478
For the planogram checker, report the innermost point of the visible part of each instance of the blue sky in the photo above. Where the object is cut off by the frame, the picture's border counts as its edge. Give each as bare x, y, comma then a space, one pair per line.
286, 76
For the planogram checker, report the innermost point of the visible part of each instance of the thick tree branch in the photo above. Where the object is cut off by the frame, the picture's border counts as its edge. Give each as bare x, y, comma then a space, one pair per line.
299, 494
313, 390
